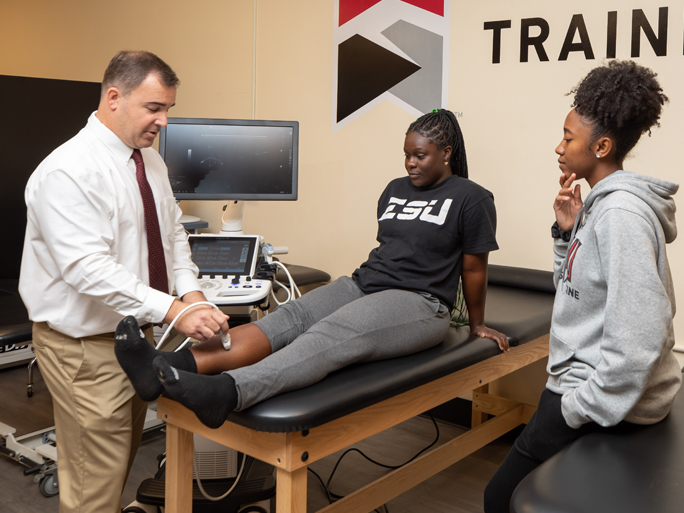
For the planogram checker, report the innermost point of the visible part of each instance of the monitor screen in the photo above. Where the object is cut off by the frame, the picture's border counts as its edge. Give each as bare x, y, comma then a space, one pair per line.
224, 255
230, 159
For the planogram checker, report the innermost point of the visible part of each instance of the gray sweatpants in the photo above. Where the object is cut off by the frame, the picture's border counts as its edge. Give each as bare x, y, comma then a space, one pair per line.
334, 326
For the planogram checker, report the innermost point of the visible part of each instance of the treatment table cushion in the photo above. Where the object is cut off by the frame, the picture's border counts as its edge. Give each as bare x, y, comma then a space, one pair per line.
519, 304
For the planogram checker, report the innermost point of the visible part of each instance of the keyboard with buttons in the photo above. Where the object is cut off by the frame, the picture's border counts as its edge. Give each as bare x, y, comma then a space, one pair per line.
234, 289
231, 271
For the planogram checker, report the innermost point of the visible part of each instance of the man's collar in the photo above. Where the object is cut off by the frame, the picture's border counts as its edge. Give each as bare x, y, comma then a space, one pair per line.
119, 149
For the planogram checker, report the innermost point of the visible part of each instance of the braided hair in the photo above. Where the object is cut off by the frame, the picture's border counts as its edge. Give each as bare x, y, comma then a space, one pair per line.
442, 129
620, 99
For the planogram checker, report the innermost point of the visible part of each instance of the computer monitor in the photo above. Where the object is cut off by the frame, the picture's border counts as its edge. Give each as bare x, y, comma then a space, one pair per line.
231, 159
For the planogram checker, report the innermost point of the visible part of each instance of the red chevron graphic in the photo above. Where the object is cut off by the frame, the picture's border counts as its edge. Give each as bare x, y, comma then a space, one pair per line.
434, 6
350, 9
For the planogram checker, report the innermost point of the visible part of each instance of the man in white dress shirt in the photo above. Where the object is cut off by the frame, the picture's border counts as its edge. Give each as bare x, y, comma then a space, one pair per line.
85, 267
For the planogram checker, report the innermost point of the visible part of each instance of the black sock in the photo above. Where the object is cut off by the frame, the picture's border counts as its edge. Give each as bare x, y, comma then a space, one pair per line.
212, 398
135, 355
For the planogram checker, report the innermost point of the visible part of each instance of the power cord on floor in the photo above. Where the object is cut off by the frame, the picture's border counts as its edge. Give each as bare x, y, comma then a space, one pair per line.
332, 497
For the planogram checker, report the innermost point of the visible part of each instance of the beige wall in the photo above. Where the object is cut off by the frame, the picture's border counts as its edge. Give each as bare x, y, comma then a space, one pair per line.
207, 42
512, 112
332, 226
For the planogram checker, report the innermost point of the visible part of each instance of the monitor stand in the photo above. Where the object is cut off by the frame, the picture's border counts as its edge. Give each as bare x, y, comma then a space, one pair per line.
231, 221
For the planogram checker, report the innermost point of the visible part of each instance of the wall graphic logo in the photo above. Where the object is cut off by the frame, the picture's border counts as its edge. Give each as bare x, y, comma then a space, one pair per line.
396, 50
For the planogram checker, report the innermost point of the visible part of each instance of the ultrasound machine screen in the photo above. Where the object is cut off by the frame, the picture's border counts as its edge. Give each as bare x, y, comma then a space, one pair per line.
219, 159
223, 255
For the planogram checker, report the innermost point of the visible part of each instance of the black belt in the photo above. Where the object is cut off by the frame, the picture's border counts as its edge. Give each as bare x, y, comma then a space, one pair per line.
112, 334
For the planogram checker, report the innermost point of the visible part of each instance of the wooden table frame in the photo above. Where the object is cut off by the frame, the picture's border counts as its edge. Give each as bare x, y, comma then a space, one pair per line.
290, 453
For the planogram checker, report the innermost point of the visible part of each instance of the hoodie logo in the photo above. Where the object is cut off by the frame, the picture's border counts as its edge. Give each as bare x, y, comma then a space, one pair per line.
567, 274
570, 259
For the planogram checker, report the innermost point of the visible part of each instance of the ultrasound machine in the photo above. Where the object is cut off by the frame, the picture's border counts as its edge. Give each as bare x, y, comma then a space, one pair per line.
228, 268
233, 161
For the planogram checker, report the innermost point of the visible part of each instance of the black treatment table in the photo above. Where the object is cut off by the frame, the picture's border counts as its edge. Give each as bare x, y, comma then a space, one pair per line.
639, 469
15, 327
294, 429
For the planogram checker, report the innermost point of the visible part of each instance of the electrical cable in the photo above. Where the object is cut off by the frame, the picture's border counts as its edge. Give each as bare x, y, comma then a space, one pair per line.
296, 291
199, 482
173, 322
162, 463
390, 467
183, 344
289, 294
292, 291
332, 497
325, 488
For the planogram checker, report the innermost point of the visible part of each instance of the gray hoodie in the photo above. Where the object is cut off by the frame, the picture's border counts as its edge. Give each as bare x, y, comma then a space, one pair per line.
611, 341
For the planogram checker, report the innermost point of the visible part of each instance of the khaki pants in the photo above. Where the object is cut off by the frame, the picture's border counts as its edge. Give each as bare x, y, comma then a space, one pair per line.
98, 418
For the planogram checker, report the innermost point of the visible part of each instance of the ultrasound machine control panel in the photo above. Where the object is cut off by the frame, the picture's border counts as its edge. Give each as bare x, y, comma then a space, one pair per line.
229, 269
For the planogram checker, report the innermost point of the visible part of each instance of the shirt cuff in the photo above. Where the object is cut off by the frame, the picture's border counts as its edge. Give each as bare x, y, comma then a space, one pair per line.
186, 281
156, 306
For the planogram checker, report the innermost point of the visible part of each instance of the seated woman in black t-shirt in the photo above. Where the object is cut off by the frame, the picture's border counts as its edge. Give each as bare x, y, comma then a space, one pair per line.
435, 227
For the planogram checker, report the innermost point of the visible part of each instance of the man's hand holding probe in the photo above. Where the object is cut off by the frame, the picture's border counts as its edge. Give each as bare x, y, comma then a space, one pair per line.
202, 322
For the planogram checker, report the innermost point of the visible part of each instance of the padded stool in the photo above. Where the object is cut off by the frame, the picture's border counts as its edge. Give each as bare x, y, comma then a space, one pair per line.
638, 470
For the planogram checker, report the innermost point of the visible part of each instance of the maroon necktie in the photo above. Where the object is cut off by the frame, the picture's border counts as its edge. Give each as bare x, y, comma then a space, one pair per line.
156, 263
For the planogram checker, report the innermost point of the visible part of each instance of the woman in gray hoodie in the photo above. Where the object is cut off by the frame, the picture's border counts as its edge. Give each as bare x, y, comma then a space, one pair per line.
610, 350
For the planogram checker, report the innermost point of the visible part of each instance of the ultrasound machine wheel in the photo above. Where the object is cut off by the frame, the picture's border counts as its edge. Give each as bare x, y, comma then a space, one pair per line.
49, 485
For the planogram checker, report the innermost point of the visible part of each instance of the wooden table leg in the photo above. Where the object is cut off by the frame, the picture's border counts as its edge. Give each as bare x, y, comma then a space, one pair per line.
291, 491
478, 417
179, 448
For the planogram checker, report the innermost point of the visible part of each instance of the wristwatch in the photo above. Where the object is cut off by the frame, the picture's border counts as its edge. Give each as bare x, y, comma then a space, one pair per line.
557, 233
